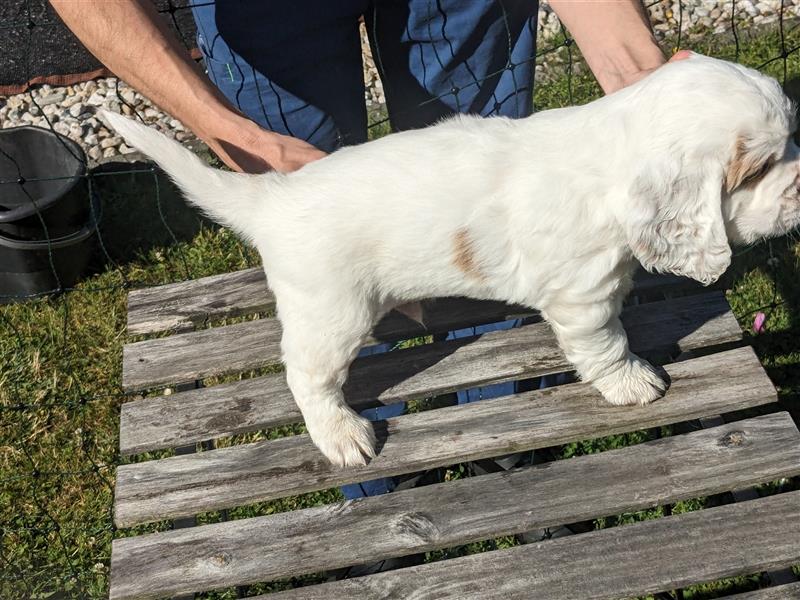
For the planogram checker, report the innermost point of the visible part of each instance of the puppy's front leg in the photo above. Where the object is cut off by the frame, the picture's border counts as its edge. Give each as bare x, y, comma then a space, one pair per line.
594, 340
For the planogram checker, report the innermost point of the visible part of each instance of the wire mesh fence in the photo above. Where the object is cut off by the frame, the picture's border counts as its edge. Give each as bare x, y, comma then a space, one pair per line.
60, 346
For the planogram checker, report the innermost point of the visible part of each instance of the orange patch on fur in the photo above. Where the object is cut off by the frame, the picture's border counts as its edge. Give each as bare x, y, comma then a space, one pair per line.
744, 167
464, 256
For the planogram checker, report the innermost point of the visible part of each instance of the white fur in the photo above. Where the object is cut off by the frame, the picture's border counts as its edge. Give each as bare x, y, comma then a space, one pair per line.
550, 211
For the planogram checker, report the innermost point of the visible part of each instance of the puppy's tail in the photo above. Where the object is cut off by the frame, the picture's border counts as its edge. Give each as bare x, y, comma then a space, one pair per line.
229, 198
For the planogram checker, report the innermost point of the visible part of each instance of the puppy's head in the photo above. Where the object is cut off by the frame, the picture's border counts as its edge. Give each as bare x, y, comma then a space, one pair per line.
762, 192
716, 165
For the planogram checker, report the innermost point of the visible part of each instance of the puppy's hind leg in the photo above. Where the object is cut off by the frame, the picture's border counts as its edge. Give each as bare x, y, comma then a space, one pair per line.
319, 343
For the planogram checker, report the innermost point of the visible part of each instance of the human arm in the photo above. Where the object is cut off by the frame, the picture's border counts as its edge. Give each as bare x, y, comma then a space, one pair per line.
131, 39
615, 38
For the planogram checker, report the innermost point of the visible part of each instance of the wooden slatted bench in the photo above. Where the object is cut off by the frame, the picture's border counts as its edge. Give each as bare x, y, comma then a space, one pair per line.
714, 376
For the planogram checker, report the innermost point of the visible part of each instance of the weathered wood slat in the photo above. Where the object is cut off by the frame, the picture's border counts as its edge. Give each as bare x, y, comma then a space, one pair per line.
183, 485
180, 307
631, 560
185, 358
208, 413
255, 344
689, 322
789, 591
328, 537
749, 493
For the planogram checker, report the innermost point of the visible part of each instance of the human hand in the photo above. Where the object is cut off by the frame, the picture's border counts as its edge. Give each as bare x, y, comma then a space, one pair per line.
245, 147
173, 81
632, 78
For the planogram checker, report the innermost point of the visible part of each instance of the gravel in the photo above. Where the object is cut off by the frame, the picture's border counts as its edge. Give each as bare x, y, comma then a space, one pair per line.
70, 110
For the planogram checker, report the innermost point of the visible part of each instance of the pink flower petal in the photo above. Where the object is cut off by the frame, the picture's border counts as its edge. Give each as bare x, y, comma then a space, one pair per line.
759, 323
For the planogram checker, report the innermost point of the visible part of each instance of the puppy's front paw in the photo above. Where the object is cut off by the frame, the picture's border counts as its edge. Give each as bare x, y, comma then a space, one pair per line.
345, 439
635, 382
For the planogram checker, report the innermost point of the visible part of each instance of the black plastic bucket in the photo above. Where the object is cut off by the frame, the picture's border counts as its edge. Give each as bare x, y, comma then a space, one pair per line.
46, 216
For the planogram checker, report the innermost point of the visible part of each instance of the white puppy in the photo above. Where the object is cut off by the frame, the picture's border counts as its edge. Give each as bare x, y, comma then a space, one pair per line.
551, 211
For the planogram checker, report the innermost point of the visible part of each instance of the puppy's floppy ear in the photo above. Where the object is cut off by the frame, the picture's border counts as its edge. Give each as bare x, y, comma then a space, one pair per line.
750, 162
675, 223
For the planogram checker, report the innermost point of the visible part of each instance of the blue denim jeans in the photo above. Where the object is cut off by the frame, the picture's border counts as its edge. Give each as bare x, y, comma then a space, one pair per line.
295, 68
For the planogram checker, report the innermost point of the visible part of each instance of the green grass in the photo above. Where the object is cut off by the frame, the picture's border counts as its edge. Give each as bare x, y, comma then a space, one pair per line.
60, 361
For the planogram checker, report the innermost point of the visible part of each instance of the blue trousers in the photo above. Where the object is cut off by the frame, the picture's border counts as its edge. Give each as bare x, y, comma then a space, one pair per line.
295, 68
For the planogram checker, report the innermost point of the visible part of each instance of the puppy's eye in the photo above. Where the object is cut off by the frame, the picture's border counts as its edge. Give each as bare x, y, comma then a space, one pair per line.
757, 175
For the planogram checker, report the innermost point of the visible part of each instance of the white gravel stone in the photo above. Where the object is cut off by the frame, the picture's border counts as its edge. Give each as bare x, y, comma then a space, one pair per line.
76, 109
129, 96
15, 101
96, 99
110, 142
61, 128
51, 98
72, 100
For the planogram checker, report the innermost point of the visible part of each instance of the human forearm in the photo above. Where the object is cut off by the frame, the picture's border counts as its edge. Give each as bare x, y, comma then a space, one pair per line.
615, 38
132, 40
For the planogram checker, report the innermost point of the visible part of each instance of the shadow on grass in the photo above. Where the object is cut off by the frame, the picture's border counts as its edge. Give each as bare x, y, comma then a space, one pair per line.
142, 210
767, 279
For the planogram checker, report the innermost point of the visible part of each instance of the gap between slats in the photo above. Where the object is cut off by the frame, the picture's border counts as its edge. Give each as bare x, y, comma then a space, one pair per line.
789, 591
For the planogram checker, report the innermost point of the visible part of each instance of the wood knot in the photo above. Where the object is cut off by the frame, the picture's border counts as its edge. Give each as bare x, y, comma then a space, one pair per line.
733, 438
415, 525
223, 559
